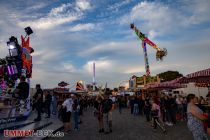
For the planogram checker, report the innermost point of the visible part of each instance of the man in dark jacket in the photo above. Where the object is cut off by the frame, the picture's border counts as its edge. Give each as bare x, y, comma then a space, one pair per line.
22, 90
107, 108
48, 100
38, 97
22, 93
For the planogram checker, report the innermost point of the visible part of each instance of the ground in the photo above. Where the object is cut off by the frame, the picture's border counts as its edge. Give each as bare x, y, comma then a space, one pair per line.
127, 127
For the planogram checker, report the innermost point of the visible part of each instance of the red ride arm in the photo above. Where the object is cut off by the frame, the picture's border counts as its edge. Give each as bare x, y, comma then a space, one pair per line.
151, 43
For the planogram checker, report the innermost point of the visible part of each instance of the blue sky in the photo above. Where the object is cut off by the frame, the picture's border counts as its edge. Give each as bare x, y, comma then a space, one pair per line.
70, 34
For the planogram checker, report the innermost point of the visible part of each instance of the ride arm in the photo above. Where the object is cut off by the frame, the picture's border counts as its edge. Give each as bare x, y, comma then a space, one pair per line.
160, 52
143, 37
152, 44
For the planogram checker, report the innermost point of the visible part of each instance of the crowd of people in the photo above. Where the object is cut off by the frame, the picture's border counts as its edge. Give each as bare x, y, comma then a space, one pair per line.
163, 110
75, 105
167, 109
72, 108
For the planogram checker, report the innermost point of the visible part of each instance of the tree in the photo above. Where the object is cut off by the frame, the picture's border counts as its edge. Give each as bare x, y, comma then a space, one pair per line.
169, 75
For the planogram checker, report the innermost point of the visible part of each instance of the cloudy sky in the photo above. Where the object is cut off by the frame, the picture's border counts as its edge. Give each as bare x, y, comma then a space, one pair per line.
70, 34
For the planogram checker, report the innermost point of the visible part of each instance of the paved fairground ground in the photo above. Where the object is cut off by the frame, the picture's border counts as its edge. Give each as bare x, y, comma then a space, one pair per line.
126, 127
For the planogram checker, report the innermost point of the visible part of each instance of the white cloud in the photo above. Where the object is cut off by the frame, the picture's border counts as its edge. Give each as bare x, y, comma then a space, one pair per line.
198, 11
44, 56
116, 6
152, 34
83, 5
159, 19
60, 15
122, 48
3, 51
155, 15
131, 70
37, 6
82, 27
57, 16
57, 10
68, 67
50, 22
101, 66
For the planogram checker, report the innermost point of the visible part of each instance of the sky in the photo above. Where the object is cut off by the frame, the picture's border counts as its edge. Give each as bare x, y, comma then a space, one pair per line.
69, 35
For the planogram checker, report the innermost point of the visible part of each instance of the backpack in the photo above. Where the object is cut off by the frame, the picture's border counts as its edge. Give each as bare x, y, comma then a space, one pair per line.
107, 106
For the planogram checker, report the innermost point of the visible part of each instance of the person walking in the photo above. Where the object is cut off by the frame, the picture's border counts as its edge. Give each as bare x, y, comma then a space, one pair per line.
136, 106
147, 109
48, 100
75, 110
107, 107
179, 102
66, 114
81, 106
195, 118
99, 113
38, 97
162, 107
172, 108
54, 104
156, 114
141, 105
155, 111
120, 104
168, 109
131, 102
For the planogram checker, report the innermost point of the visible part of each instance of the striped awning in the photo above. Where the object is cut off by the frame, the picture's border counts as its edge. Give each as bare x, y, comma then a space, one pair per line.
200, 78
166, 85
202, 73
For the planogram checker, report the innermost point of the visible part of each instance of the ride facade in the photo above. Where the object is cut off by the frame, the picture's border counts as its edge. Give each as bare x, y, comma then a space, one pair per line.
18, 63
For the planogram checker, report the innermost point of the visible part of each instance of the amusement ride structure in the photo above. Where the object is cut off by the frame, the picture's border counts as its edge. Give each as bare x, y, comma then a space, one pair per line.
159, 54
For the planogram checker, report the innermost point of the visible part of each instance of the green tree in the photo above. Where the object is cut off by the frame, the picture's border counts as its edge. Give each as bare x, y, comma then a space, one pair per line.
169, 75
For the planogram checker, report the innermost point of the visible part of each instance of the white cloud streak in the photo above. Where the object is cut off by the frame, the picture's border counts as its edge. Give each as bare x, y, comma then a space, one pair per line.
59, 15
116, 6
82, 27
49, 22
83, 5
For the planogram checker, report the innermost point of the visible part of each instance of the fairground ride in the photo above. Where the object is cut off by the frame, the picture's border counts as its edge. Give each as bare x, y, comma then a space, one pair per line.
159, 54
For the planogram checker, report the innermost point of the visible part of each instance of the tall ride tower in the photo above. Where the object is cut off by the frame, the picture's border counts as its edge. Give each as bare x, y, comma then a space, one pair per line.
94, 76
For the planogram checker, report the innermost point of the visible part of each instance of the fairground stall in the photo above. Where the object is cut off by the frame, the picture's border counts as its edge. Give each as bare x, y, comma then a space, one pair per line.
166, 86
138, 84
201, 79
